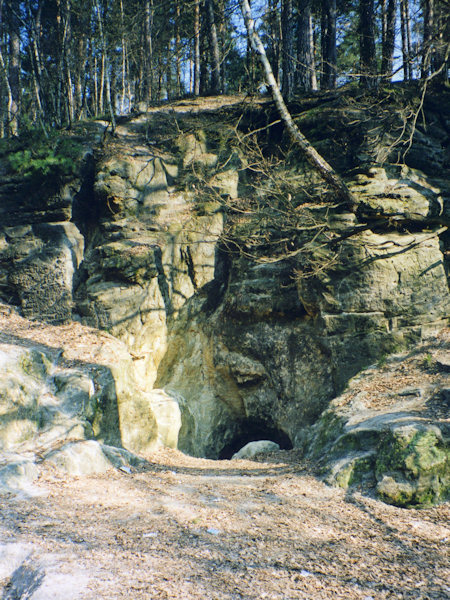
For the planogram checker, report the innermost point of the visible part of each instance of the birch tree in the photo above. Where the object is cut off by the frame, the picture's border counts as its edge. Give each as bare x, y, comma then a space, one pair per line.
317, 161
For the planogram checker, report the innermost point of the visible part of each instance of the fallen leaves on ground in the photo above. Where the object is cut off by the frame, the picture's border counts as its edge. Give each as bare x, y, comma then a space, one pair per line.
183, 527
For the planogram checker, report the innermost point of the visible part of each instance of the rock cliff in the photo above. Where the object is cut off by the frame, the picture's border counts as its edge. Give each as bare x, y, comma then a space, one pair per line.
231, 284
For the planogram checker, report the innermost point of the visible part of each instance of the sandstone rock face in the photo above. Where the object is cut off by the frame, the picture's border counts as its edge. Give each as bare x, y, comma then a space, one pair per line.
39, 263
387, 436
219, 345
137, 253
68, 396
90, 457
168, 417
18, 475
273, 354
150, 251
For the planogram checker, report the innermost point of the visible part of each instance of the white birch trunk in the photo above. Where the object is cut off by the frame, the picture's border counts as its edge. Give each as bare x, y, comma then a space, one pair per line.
313, 157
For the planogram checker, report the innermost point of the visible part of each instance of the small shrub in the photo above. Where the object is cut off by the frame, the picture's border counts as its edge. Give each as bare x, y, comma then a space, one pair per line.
57, 158
428, 361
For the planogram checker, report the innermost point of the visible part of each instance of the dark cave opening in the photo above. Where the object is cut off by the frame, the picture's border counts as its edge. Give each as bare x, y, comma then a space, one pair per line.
251, 430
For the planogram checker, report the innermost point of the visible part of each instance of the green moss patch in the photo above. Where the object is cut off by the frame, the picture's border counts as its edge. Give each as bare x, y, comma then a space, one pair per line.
412, 466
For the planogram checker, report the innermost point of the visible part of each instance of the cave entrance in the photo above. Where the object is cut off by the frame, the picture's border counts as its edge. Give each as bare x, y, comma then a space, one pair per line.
252, 431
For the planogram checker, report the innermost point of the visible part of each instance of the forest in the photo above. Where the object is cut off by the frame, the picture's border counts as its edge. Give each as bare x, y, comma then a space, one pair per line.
66, 60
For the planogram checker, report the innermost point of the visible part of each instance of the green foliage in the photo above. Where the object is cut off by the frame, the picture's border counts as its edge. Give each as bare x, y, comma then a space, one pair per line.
53, 158
428, 361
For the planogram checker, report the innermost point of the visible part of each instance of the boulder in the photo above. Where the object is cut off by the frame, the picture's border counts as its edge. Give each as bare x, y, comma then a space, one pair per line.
392, 439
90, 457
252, 449
18, 475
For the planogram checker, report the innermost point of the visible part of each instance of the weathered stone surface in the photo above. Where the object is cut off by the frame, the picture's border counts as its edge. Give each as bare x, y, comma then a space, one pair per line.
151, 251
22, 383
413, 465
401, 193
275, 352
38, 268
254, 448
18, 475
28, 573
90, 457
390, 438
268, 370
42, 402
80, 458
167, 415
246, 349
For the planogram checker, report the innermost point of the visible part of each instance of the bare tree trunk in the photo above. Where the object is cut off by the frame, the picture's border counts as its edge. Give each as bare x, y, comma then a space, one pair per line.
306, 70
309, 152
214, 48
60, 34
275, 37
14, 69
404, 27
70, 97
389, 10
35, 66
159, 77
287, 83
440, 62
68, 62
105, 66
408, 39
124, 61
328, 39
178, 48
80, 75
223, 40
95, 76
250, 67
101, 96
168, 73
9, 114
367, 43
197, 48
427, 41
204, 83
149, 50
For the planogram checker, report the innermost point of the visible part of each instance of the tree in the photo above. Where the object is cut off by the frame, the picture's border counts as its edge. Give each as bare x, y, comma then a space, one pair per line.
406, 38
328, 40
197, 48
214, 47
388, 17
15, 95
309, 152
306, 68
274, 36
287, 52
367, 43
62, 60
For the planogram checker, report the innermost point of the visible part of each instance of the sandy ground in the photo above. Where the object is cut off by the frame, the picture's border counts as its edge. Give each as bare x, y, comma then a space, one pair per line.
183, 527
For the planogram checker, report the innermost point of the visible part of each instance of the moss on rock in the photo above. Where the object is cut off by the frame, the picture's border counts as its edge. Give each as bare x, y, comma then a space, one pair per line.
413, 466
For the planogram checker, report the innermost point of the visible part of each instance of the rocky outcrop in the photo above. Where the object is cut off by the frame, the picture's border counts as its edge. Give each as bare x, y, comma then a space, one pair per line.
150, 250
273, 354
69, 398
389, 430
241, 308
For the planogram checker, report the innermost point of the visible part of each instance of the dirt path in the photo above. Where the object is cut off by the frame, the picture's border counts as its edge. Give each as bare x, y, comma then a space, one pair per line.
193, 528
